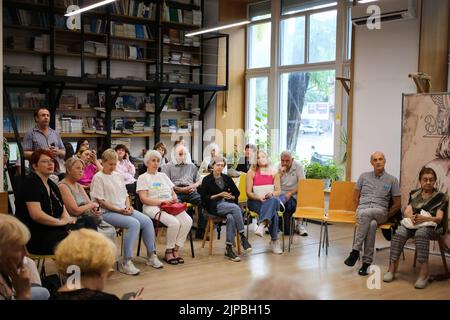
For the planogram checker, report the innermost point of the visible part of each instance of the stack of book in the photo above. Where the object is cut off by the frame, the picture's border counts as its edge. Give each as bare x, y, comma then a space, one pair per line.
68, 101
18, 69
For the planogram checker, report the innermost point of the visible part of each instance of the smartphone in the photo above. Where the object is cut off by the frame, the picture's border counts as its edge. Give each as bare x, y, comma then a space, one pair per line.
129, 295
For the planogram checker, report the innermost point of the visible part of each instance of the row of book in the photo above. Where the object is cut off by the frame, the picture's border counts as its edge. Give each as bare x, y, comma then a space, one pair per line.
176, 125
23, 17
23, 123
178, 37
135, 8
191, 17
122, 51
180, 57
30, 100
137, 31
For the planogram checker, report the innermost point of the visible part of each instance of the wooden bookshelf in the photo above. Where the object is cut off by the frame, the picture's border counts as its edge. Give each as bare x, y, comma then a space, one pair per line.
25, 27
26, 51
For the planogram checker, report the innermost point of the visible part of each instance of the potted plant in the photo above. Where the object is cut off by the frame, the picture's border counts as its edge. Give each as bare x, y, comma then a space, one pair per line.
327, 171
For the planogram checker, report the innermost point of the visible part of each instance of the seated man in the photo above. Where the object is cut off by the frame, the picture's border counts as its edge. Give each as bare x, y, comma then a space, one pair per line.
248, 160
186, 179
291, 171
372, 195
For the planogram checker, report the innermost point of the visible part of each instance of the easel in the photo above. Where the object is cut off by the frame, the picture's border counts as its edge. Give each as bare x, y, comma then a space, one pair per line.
422, 81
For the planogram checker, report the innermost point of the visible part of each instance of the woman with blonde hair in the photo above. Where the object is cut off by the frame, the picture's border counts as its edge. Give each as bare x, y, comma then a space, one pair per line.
17, 272
93, 255
108, 189
263, 190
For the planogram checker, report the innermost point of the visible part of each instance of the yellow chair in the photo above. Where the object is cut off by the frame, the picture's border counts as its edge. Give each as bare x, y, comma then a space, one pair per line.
341, 209
310, 204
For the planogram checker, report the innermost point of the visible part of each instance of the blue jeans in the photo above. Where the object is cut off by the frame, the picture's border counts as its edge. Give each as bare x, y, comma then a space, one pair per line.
267, 211
235, 222
133, 224
39, 293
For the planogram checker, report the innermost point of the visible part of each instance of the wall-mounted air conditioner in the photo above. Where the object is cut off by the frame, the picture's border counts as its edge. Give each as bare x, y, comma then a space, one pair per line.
390, 10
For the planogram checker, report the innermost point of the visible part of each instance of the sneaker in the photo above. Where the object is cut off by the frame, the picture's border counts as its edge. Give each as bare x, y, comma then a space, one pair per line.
301, 230
275, 245
229, 254
389, 277
260, 230
245, 244
128, 268
363, 270
421, 283
154, 262
352, 258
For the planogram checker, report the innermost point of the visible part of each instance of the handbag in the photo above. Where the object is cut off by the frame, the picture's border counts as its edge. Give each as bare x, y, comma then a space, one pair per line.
407, 222
173, 208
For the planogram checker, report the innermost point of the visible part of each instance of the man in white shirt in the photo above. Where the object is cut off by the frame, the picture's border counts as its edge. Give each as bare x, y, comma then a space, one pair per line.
291, 171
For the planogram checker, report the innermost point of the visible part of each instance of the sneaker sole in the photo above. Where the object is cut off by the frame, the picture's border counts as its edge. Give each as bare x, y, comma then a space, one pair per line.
234, 260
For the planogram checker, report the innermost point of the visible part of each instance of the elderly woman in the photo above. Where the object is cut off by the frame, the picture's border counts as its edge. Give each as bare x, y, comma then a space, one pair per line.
16, 271
126, 168
41, 207
155, 188
108, 189
210, 152
91, 165
263, 188
77, 202
94, 255
434, 202
219, 196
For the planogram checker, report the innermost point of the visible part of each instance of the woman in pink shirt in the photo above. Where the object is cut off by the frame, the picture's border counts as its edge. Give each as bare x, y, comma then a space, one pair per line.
126, 168
263, 189
91, 166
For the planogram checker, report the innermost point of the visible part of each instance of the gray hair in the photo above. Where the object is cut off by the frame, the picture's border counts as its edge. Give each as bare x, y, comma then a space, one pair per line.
71, 162
151, 154
287, 153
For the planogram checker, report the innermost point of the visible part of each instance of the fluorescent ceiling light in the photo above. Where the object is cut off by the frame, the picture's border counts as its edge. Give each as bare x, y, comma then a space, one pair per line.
92, 6
231, 25
366, 1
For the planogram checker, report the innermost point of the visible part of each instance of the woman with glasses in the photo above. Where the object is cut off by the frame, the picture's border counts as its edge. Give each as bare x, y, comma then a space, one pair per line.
40, 206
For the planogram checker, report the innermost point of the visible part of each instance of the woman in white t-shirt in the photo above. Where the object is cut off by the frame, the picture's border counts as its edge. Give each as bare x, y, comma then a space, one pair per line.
108, 189
155, 188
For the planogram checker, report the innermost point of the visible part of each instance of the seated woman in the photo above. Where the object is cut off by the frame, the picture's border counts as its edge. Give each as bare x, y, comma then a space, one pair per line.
219, 196
91, 166
425, 198
83, 142
40, 206
154, 188
263, 188
78, 203
18, 274
126, 168
108, 189
161, 148
210, 152
94, 254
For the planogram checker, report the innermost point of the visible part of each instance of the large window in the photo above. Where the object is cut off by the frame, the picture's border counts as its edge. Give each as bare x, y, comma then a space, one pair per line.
259, 45
307, 113
258, 111
322, 37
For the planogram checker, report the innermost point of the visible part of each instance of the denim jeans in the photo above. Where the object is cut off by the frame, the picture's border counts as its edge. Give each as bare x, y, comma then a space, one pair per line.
235, 222
133, 224
267, 211
39, 293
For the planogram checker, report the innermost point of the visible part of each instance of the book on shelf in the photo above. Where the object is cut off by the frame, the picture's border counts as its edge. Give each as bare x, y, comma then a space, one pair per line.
101, 100
18, 69
148, 103
179, 103
196, 17
119, 103
130, 103
185, 125
188, 16
68, 101
60, 72
164, 125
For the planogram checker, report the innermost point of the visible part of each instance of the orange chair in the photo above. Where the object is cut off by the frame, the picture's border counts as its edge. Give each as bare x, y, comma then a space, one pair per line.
342, 208
310, 204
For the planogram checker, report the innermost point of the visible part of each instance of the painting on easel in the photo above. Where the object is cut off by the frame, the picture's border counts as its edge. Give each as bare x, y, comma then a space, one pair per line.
425, 140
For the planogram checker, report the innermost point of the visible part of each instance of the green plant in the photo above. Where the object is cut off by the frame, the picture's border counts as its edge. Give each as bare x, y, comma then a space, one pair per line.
315, 170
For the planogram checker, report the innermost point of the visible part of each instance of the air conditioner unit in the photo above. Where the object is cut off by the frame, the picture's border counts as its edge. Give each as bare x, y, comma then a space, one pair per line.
391, 10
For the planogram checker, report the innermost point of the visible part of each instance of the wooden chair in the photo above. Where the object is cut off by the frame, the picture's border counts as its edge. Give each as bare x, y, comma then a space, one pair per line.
341, 209
214, 220
310, 204
40, 262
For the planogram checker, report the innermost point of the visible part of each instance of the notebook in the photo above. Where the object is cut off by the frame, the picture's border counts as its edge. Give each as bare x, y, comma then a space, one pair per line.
261, 191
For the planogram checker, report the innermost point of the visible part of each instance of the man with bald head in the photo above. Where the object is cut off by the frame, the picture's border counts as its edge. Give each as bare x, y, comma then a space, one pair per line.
373, 194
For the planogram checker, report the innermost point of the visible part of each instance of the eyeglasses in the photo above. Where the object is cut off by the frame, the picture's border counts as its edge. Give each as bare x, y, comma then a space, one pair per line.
47, 161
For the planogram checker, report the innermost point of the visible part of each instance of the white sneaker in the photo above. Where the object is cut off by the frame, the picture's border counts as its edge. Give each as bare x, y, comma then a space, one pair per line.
260, 230
128, 268
275, 245
154, 262
302, 231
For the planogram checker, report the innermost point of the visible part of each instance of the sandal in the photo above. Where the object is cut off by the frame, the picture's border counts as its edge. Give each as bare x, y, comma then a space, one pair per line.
179, 259
172, 260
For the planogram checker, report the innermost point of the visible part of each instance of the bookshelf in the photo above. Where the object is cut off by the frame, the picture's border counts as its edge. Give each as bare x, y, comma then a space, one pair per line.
147, 36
